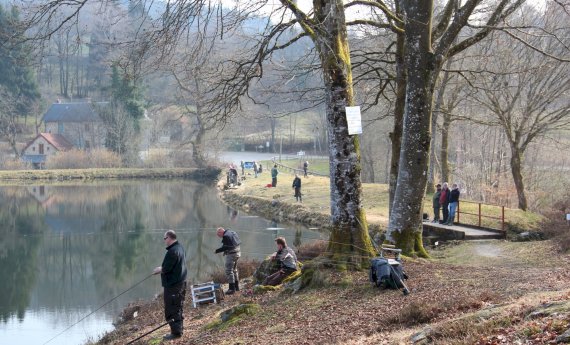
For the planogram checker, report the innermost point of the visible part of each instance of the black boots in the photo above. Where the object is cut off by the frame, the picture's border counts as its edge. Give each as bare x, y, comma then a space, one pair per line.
231, 290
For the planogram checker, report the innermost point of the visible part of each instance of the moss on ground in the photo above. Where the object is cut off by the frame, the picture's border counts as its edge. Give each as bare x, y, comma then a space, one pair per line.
234, 315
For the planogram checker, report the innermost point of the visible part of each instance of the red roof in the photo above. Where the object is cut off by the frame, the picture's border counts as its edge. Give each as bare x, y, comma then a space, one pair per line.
56, 140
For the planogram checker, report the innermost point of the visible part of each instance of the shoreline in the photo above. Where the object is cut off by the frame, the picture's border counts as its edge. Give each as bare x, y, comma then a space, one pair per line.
8, 177
282, 211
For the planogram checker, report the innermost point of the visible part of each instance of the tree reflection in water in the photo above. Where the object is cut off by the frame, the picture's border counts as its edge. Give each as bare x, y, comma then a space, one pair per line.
69, 248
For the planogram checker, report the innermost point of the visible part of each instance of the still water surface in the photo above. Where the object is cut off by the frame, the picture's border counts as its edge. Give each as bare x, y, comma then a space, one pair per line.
65, 250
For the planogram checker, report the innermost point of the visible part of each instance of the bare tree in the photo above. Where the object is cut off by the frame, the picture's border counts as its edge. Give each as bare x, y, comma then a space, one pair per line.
9, 125
527, 96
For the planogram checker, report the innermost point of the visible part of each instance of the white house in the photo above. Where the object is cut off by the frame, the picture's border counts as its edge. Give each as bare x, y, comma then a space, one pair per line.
44, 145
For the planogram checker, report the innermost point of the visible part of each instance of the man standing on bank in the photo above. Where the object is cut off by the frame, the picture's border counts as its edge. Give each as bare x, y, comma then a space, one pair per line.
436, 205
274, 173
231, 249
297, 187
173, 276
453, 203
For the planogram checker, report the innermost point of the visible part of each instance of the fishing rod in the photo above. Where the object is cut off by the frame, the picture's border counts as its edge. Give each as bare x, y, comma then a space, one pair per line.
94, 311
149, 332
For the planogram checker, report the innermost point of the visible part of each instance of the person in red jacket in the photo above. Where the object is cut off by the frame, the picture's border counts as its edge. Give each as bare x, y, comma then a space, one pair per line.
444, 202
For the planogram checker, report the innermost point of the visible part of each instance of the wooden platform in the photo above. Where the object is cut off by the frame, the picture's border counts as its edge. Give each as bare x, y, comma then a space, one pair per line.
460, 232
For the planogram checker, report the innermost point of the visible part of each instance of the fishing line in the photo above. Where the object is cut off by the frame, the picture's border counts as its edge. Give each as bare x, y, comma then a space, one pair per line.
94, 311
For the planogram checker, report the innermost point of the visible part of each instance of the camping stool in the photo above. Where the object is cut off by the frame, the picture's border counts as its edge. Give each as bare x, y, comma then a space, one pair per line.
386, 248
204, 292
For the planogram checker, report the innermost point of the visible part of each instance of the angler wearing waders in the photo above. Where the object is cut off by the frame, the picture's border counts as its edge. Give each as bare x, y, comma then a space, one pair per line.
231, 249
173, 276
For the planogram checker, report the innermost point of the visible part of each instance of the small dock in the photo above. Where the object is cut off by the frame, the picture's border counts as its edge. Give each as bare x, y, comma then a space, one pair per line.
460, 232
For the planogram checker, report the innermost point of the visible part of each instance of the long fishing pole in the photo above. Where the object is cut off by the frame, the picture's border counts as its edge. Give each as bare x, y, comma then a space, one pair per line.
149, 332
94, 311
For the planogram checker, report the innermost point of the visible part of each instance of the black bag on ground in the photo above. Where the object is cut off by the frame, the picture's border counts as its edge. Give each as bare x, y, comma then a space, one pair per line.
387, 273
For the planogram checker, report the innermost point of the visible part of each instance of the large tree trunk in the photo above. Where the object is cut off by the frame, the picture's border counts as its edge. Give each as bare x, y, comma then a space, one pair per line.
349, 239
396, 134
198, 147
516, 169
405, 226
444, 153
438, 106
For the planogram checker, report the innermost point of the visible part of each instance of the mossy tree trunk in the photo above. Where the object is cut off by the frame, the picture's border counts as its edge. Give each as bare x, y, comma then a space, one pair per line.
405, 225
349, 239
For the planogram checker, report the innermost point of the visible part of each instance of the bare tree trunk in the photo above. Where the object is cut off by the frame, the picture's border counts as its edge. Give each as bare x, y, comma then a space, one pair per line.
273, 125
198, 148
396, 135
349, 239
405, 226
444, 153
516, 169
437, 109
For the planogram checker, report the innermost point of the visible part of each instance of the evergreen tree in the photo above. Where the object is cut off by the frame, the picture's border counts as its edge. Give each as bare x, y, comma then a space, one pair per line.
126, 93
15, 73
121, 117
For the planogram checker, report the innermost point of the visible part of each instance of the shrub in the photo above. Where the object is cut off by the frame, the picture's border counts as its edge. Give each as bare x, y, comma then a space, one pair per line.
415, 313
14, 164
556, 226
246, 268
157, 158
80, 159
310, 250
101, 158
72, 159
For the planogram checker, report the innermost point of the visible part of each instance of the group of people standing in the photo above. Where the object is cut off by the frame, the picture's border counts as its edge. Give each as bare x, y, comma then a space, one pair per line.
447, 201
173, 272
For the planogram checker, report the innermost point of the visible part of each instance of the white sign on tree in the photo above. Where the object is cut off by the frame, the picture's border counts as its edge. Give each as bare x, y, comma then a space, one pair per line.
354, 120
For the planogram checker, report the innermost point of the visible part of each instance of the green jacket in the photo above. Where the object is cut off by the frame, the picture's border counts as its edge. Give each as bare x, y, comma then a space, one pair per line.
274, 172
435, 199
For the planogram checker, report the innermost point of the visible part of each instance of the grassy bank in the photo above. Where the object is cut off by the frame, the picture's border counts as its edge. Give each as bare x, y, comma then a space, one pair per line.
316, 199
26, 176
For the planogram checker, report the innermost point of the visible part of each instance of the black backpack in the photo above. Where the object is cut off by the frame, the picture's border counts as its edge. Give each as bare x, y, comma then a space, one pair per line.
388, 274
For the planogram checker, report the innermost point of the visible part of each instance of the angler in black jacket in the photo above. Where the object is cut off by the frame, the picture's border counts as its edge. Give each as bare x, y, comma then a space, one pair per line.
173, 276
297, 187
231, 249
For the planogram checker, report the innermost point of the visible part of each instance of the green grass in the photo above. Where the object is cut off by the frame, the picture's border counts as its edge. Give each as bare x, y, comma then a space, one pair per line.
317, 165
316, 197
491, 215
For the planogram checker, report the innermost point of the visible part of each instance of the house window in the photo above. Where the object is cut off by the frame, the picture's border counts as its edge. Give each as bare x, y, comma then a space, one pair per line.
60, 127
87, 127
41, 149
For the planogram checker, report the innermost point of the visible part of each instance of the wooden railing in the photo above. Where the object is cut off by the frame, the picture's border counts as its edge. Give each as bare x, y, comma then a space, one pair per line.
480, 214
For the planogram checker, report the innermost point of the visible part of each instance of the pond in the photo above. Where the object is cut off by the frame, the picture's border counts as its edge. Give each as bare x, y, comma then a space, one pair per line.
67, 249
